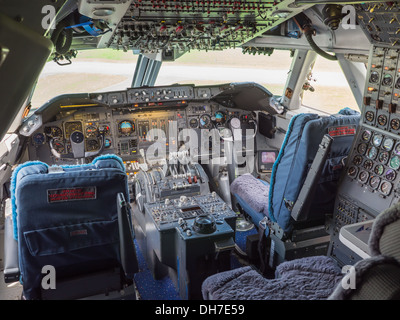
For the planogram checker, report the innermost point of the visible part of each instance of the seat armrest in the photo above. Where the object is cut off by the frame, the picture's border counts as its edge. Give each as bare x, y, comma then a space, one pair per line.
11, 261
127, 247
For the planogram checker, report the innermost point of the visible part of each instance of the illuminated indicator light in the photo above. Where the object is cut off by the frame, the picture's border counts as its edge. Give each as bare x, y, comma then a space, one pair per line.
373, 65
136, 105
396, 94
370, 88
183, 102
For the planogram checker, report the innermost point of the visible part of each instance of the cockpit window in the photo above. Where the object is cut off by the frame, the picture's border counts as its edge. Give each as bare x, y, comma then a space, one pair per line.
327, 88
91, 71
231, 65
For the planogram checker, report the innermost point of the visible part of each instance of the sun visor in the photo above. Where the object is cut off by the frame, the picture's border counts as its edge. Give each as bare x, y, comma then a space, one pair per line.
249, 96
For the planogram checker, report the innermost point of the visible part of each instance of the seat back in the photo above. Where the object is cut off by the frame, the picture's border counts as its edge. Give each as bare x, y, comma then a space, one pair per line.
66, 217
305, 133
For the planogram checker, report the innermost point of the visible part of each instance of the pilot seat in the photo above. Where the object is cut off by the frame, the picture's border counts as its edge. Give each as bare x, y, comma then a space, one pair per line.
290, 211
69, 234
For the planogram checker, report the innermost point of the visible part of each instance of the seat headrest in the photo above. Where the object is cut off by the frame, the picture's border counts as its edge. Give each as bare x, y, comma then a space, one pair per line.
385, 235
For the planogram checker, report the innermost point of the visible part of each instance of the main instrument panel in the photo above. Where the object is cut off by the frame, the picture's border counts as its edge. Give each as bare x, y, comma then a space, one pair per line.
127, 123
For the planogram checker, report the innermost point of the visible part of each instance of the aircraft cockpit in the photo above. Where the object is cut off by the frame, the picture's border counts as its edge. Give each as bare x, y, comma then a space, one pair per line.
200, 150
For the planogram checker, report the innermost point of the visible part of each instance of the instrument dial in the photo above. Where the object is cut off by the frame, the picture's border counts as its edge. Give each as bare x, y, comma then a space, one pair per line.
397, 149
107, 143
368, 164
361, 148
366, 135
395, 124
220, 117
59, 146
390, 175
377, 140
352, 171
205, 121
388, 144
374, 182
126, 127
91, 131
194, 123
92, 145
54, 132
395, 162
383, 157
385, 188
374, 78
363, 176
357, 160
369, 116
38, 139
372, 152
382, 120
387, 80
379, 169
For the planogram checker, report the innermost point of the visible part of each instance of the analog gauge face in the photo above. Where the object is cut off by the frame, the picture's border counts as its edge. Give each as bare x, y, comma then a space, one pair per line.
394, 162
91, 131
104, 129
357, 160
368, 164
71, 127
377, 140
395, 124
369, 116
352, 171
54, 132
387, 80
385, 187
205, 121
379, 169
383, 157
59, 146
126, 127
374, 182
374, 78
382, 120
397, 149
372, 152
362, 147
194, 123
363, 176
220, 117
39, 139
92, 145
390, 175
388, 144
366, 135
107, 143
235, 123
397, 84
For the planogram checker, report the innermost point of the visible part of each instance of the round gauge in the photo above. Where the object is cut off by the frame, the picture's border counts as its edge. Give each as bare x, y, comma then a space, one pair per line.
397, 84
59, 146
220, 117
397, 149
382, 120
235, 123
388, 144
357, 160
205, 121
39, 139
363, 176
352, 171
374, 182
104, 129
366, 135
386, 187
368, 164
369, 116
361, 148
394, 162
387, 80
54, 132
383, 157
92, 145
194, 123
372, 152
91, 131
374, 78
126, 127
77, 137
390, 175
379, 169
377, 140
395, 124
107, 143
